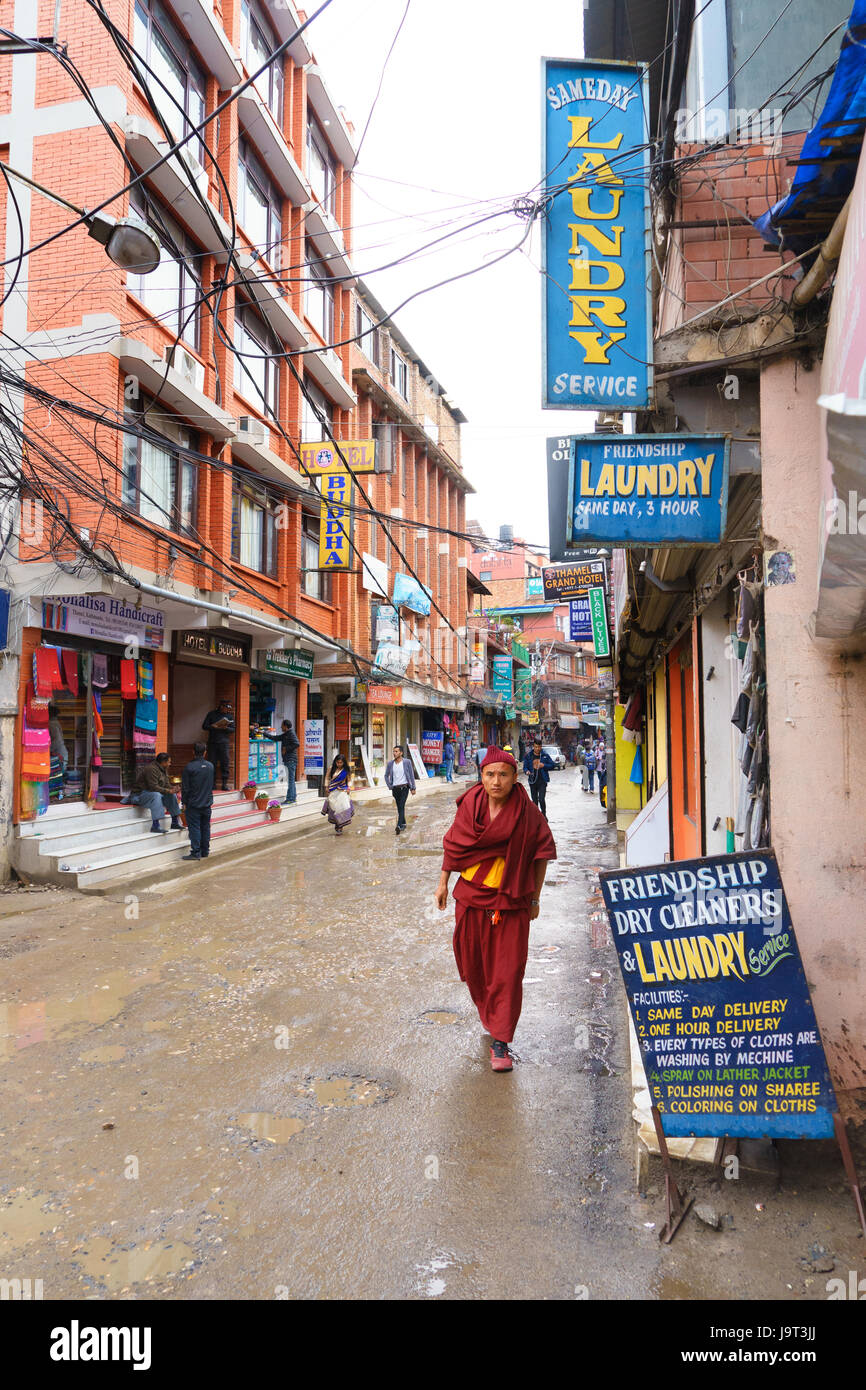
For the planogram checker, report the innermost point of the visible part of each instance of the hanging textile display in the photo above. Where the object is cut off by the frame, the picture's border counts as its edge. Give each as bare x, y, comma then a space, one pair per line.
146, 713
35, 710
69, 662
145, 680
129, 679
100, 670
46, 672
34, 799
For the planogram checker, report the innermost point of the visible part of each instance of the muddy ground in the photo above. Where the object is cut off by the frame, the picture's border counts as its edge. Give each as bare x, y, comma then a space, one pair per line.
264, 1079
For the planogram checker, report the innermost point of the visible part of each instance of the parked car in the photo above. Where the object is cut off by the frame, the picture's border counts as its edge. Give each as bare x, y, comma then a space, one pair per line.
555, 754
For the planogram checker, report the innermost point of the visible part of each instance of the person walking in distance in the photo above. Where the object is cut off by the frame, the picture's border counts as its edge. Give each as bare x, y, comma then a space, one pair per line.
338, 804
499, 844
196, 783
289, 745
400, 780
538, 767
601, 769
448, 759
219, 725
584, 770
590, 765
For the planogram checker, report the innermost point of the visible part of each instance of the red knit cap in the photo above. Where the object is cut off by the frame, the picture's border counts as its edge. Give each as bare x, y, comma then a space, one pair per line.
498, 755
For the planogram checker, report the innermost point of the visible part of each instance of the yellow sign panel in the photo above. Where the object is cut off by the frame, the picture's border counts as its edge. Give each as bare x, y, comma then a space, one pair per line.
359, 454
335, 552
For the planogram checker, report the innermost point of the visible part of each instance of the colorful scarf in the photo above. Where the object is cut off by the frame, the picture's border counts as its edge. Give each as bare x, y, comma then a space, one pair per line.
129, 679
69, 662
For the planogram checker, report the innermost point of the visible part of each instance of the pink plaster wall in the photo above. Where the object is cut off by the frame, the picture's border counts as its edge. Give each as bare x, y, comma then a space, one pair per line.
817, 729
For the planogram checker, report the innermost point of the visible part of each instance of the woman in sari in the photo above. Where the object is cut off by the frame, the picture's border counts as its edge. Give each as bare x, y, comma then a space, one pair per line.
338, 805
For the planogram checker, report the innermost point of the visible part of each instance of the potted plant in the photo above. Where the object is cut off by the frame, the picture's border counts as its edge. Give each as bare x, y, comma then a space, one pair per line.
249, 790
261, 800
274, 809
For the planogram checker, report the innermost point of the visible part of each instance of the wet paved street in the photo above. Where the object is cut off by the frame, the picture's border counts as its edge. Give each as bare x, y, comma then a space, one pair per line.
264, 1079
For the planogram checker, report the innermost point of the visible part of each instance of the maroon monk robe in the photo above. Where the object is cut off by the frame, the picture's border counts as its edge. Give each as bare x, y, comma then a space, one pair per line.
491, 955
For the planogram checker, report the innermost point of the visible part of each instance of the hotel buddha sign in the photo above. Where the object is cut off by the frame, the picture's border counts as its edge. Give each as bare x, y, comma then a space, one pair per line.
596, 249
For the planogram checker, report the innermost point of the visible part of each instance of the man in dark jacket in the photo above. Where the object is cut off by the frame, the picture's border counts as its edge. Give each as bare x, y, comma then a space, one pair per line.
197, 792
538, 767
152, 788
289, 745
219, 725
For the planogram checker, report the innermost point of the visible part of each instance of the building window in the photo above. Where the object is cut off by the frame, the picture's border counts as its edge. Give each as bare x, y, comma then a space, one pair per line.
316, 584
319, 303
254, 529
383, 433
400, 374
159, 483
485, 576
256, 370
172, 292
259, 207
563, 665
169, 55
257, 44
316, 407
321, 169
368, 335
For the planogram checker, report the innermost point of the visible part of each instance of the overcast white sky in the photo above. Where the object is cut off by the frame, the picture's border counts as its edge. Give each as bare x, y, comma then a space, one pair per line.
456, 134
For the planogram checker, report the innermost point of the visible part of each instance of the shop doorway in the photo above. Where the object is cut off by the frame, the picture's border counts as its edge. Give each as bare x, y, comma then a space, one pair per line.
194, 691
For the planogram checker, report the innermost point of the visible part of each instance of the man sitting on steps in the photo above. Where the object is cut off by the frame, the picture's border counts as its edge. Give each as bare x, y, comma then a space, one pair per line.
153, 789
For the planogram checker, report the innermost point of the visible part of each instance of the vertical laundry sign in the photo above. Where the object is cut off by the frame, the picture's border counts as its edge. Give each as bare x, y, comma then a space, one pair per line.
597, 292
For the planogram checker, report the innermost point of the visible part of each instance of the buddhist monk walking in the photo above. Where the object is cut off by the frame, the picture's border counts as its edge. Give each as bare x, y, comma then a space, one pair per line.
499, 844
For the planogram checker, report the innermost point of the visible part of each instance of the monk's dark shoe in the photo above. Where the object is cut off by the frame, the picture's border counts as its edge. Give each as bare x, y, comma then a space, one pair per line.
500, 1057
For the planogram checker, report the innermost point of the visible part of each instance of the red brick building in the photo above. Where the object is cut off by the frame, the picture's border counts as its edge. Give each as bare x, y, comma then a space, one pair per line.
164, 412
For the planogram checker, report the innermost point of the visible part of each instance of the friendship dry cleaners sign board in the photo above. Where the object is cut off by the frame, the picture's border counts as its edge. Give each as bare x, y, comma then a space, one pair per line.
596, 248
715, 984
654, 489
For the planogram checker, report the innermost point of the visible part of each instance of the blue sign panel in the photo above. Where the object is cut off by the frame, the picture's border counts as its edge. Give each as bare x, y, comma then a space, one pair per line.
502, 676
722, 1011
597, 304
648, 489
4, 618
580, 620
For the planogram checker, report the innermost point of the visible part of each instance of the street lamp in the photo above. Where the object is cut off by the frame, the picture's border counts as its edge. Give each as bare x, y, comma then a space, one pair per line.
128, 241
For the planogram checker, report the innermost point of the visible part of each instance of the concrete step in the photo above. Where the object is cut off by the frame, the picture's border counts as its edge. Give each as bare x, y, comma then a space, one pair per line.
129, 870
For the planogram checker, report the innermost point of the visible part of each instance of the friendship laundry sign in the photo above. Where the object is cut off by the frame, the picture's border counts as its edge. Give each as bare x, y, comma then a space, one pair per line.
722, 1011
648, 489
596, 248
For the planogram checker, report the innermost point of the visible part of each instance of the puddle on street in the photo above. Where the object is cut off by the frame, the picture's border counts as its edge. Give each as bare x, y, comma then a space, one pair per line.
118, 1268
22, 1221
104, 1054
666, 1287
438, 1016
340, 1092
24, 1025
278, 1129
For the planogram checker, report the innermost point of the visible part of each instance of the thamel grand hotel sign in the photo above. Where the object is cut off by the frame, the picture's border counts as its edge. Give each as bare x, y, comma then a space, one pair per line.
597, 291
